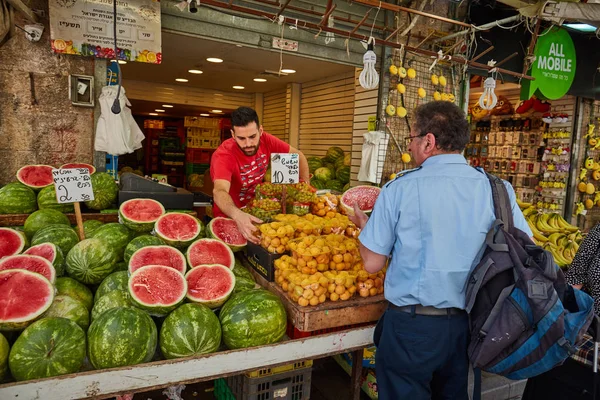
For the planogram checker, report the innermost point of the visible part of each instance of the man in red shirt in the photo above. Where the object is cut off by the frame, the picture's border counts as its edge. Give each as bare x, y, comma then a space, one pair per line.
240, 163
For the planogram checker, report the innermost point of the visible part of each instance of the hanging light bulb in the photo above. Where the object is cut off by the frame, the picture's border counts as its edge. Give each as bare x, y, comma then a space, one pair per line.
488, 99
369, 78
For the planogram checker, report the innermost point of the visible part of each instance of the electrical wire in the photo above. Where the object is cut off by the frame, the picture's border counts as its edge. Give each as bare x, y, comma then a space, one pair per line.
116, 107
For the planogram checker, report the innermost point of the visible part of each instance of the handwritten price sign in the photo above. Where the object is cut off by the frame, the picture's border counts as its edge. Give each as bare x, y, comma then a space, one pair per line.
73, 185
285, 168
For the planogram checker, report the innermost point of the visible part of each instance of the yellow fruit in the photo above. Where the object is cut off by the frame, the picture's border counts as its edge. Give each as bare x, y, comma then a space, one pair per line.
582, 187
392, 176
596, 175
390, 110
151, 57
422, 93
401, 88
592, 141
445, 96
402, 72
406, 158
434, 79
590, 188
437, 96
442, 80
393, 70
411, 73
451, 97
401, 112
589, 203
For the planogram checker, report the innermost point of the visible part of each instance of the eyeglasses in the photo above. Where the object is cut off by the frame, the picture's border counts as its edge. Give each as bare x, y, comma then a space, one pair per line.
409, 139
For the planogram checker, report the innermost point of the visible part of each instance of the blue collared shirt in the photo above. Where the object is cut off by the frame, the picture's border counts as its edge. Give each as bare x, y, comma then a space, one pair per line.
433, 223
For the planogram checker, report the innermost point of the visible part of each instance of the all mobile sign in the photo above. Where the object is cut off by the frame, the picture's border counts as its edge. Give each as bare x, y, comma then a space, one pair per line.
553, 67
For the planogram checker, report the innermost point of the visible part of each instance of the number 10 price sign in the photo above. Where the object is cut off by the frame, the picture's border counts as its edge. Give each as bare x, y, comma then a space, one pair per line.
73, 185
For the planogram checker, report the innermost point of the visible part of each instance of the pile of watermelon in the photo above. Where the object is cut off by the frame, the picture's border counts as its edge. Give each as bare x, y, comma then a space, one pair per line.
332, 171
143, 289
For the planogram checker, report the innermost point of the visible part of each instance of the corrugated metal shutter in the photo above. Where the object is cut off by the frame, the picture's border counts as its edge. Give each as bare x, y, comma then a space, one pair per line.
275, 120
365, 106
326, 114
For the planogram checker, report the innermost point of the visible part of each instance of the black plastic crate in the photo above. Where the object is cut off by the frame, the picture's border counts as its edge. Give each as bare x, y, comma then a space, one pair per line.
290, 385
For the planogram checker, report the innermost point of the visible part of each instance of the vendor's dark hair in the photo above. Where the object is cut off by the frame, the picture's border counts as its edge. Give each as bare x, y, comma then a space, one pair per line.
244, 116
446, 121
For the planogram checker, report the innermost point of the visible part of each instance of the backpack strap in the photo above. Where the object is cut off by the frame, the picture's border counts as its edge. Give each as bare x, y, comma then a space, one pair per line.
502, 207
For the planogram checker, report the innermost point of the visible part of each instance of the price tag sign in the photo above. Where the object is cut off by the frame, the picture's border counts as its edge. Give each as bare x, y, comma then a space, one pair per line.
72, 185
285, 168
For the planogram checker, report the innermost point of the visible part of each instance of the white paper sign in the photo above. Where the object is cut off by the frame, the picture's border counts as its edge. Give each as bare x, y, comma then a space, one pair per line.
285, 168
72, 185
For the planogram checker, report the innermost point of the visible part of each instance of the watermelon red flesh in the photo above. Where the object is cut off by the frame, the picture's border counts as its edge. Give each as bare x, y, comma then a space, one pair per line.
210, 284
142, 210
44, 250
157, 255
11, 242
30, 263
24, 295
226, 230
36, 176
155, 287
364, 196
177, 227
90, 168
210, 251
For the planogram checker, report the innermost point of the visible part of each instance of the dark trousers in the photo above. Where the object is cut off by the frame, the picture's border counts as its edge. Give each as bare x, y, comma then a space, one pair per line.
421, 357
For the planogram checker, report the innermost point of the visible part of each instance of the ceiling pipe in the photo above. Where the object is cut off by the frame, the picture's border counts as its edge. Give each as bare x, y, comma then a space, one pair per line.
483, 27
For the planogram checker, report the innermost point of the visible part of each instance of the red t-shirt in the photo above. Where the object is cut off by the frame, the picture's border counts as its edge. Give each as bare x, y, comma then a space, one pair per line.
244, 172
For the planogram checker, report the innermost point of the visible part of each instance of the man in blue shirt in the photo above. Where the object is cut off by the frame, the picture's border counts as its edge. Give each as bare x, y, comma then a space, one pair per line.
432, 221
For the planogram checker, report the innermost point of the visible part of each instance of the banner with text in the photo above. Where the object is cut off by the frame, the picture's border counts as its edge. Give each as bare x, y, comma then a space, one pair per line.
85, 28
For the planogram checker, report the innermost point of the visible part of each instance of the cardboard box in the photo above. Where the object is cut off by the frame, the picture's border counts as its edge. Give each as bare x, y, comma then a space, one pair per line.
368, 380
368, 357
262, 261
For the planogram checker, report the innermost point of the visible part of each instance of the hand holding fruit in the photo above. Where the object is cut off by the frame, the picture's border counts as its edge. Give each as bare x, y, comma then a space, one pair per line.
245, 223
359, 218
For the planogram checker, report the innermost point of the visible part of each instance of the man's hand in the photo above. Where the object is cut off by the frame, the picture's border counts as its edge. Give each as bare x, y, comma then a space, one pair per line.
359, 218
245, 223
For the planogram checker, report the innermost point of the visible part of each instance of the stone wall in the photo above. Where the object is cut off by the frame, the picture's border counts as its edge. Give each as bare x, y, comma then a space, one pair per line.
40, 126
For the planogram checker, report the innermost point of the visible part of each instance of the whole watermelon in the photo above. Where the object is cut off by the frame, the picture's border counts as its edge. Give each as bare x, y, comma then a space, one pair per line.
252, 318
346, 187
240, 271
324, 174
314, 163
115, 281
122, 266
317, 184
139, 242
4, 350
343, 174
16, 198
69, 308
42, 218
334, 153
90, 226
242, 283
105, 191
48, 347
114, 299
62, 236
334, 184
66, 286
46, 199
120, 337
191, 329
91, 260
116, 235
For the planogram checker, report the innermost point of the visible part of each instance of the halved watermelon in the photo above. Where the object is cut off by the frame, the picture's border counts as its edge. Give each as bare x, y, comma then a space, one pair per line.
210, 251
226, 229
157, 255
364, 196
90, 168
24, 296
50, 252
178, 229
11, 242
157, 289
35, 264
210, 285
36, 176
139, 215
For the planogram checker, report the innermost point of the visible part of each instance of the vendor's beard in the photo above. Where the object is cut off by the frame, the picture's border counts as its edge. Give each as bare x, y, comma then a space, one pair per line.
250, 151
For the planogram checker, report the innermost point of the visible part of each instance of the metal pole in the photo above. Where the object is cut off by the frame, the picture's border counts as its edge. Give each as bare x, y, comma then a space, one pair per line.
479, 28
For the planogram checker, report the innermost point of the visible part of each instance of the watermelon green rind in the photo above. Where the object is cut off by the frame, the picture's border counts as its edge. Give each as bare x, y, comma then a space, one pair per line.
69, 308
42, 218
252, 318
365, 196
334, 184
334, 152
242, 284
324, 174
19, 275
192, 294
226, 230
31, 263
314, 163
44, 170
343, 174
227, 259
241, 272
90, 226
151, 255
175, 219
63, 236
5, 350
105, 191
91, 260
48, 347
138, 226
168, 275
120, 337
11, 242
190, 330
16, 198
90, 167
116, 235
46, 199
115, 281
58, 259
113, 299
140, 242
122, 266
66, 286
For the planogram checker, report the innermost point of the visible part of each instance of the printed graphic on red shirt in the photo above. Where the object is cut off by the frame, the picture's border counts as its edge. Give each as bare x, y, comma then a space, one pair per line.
251, 175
